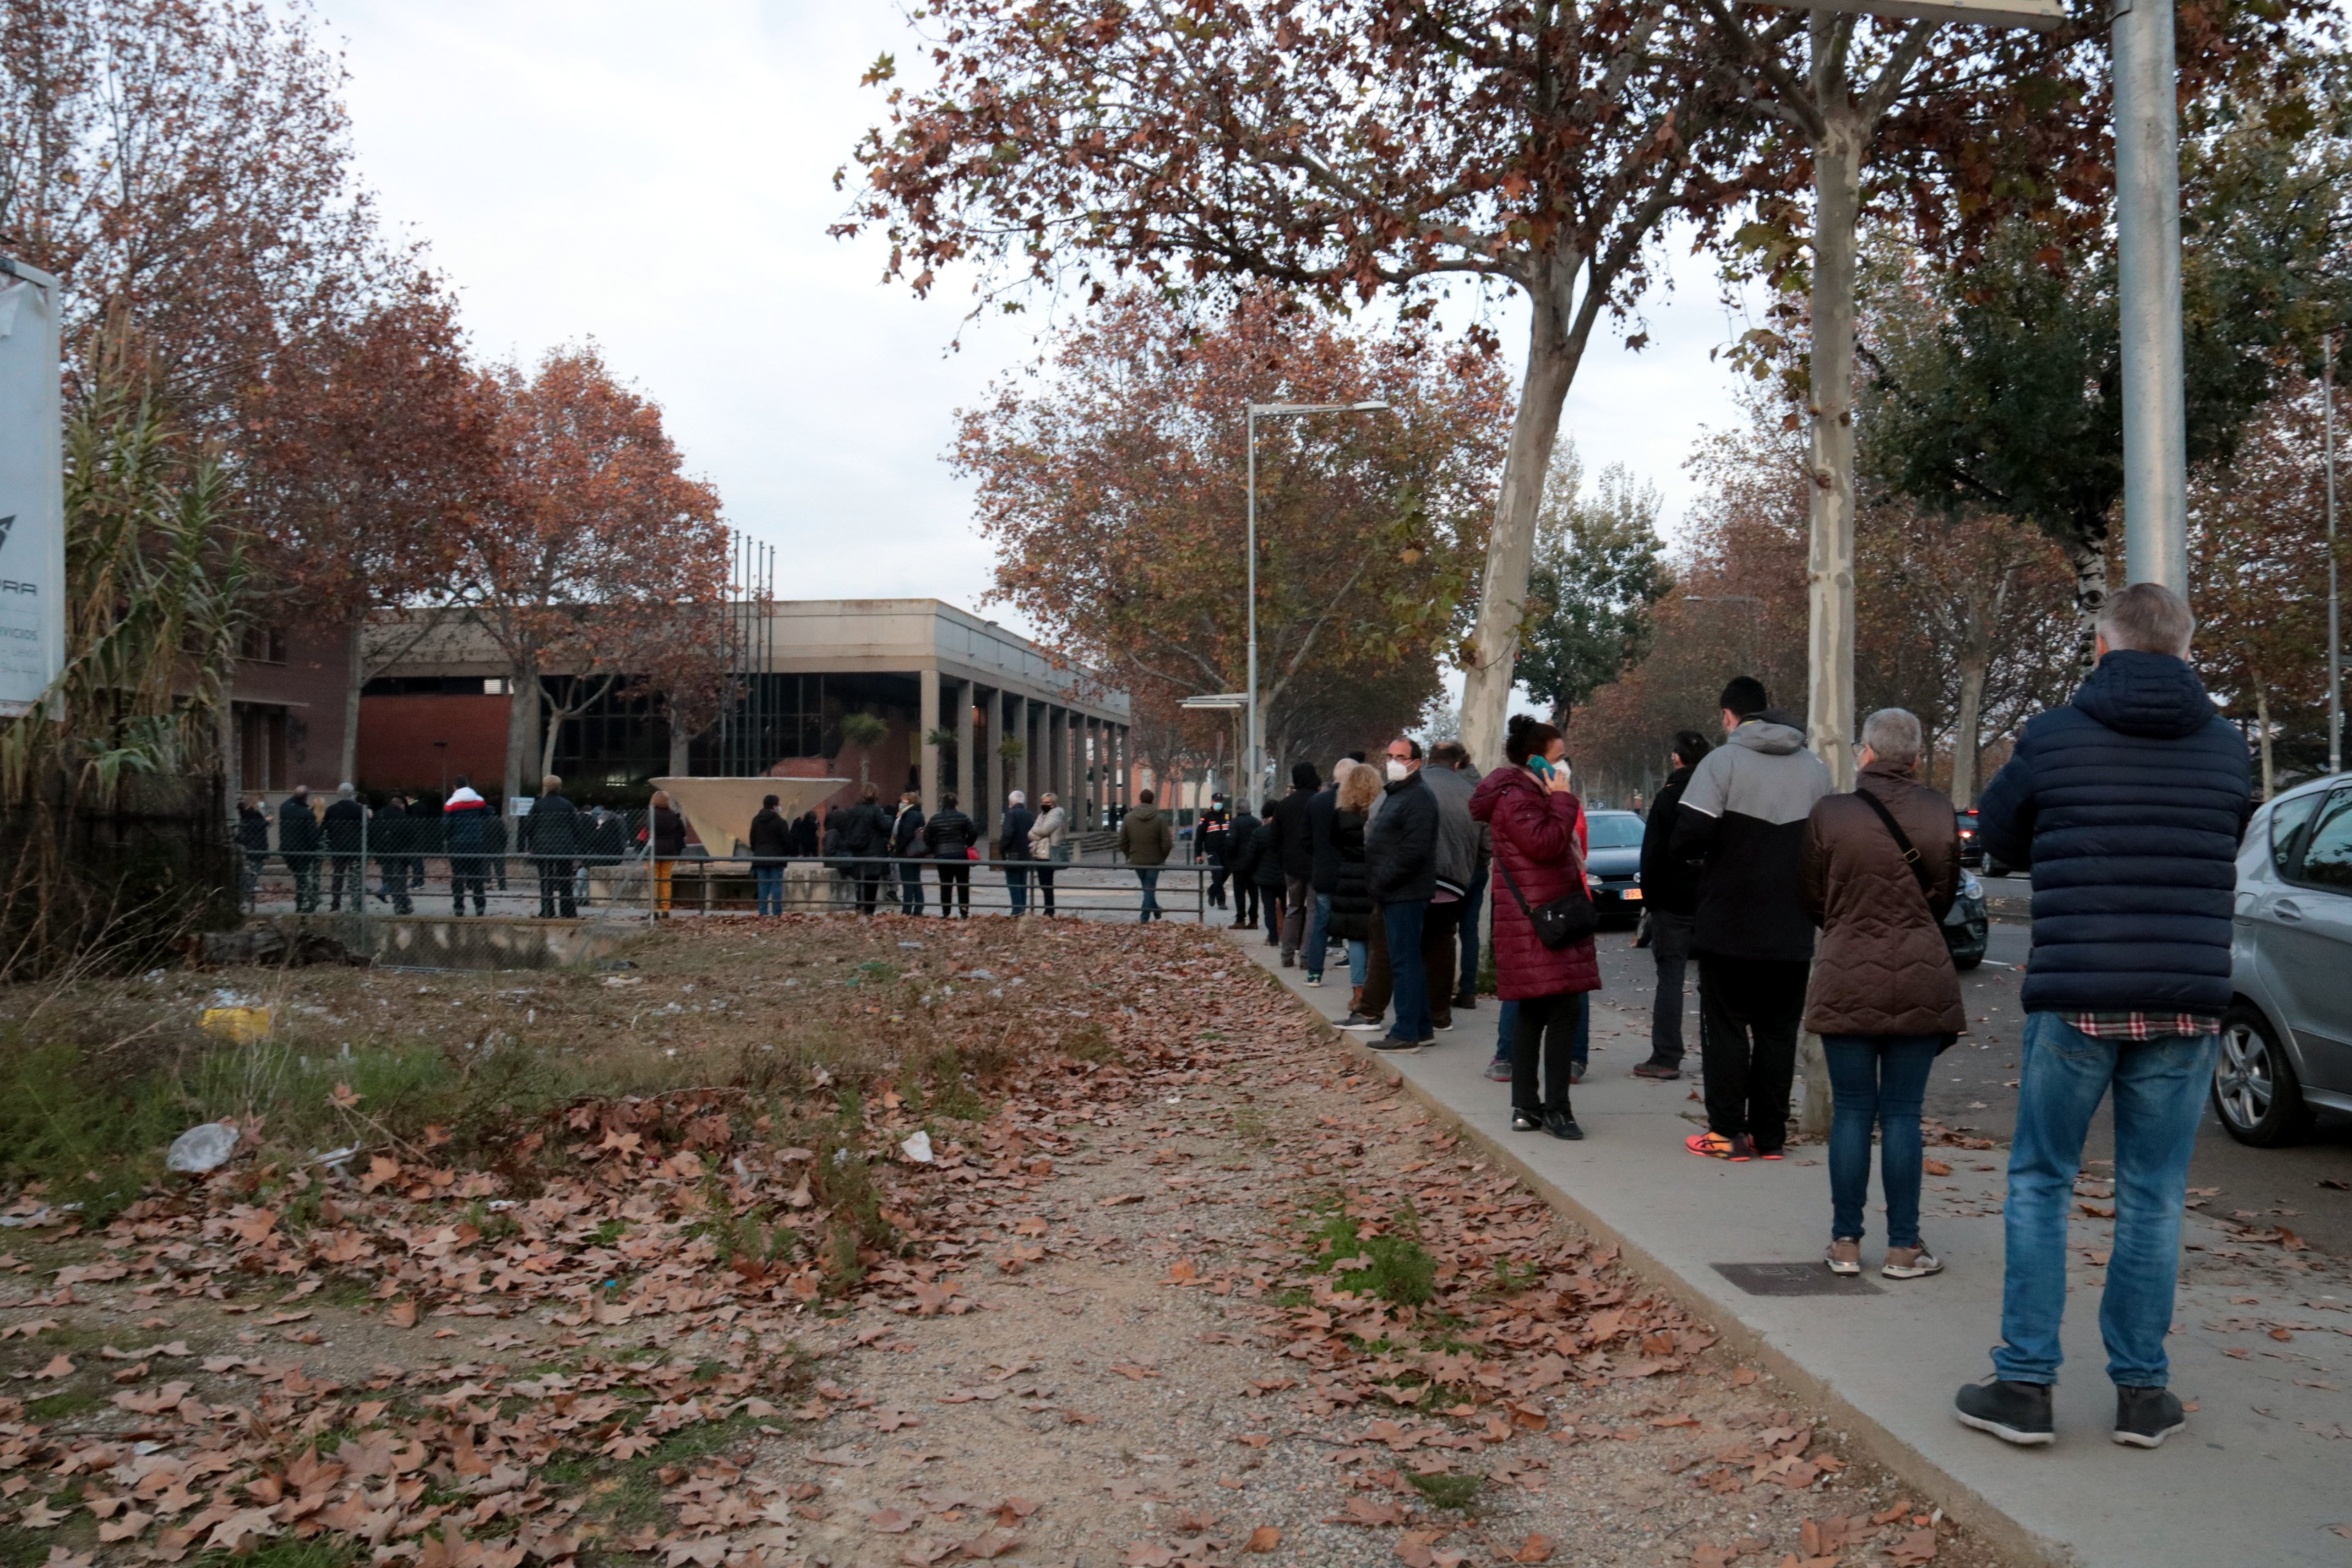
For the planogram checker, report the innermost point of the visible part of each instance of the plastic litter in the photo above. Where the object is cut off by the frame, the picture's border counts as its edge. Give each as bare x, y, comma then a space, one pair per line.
918, 1148
239, 1025
205, 1147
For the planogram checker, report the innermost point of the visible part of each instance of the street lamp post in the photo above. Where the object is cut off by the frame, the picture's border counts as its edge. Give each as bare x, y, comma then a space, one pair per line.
2335, 603
1254, 760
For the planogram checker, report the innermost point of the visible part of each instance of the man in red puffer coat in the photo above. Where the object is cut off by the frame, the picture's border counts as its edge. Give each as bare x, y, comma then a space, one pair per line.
1533, 816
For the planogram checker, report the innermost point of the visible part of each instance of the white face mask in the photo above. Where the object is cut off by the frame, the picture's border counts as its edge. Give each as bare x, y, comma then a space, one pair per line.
1397, 769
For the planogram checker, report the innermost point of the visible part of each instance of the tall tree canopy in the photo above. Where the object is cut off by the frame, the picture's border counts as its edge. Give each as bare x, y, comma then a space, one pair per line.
1598, 570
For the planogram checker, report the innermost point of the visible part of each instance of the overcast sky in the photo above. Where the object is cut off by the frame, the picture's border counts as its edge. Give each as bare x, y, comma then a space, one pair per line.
660, 180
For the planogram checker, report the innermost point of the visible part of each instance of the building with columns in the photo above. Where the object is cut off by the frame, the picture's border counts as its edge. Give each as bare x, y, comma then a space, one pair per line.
954, 690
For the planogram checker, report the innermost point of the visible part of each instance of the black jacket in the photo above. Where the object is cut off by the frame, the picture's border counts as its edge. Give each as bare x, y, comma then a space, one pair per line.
807, 838
1210, 834
297, 828
907, 835
1353, 911
1743, 812
1012, 833
252, 830
772, 836
553, 828
1401, 845
1238, 835
1294, 837
1265, 856
1668, 885
949, 833
865, 831
667, 834
2130, 804
345, 821
1325, 875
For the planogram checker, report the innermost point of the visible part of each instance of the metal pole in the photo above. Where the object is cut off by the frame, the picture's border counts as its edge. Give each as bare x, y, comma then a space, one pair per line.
1254, 763
2147, 244
2335, 602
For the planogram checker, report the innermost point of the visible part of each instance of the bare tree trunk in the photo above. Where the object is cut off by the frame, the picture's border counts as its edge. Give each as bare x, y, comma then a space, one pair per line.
347, 768
679, 747
2263, 727
1828, 567
2088, 557
522, 725
1553, 356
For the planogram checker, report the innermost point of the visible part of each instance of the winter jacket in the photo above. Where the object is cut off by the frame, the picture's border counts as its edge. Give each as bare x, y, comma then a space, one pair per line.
1457, 833
1324, 853
465, 813
1239, 835
553, 828
1294, 837
252, 830
1144, 838
907, 835
1212, 835
667, 833
1536, 859
1264, 856
2128, 804
345, 822
297, 828
1353, 911
1885, 967
865, 831
1400, 843
949, 833
1048, 832
1743, 813
1012, 833
1669, 885
772, 836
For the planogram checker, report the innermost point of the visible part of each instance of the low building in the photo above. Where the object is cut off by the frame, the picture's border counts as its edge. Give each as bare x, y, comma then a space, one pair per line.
287, 706
966, 706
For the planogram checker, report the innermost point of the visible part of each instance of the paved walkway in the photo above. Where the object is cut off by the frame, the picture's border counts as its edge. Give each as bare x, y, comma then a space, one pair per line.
2262, 1347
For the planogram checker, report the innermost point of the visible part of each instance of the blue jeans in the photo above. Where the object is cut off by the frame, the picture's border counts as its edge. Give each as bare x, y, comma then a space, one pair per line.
2159, 1088
1360, 955
770, 880
1408, 979
1016, 882
1876, 1082
1579, 1049
1466, 982
1318, 936
1149, 877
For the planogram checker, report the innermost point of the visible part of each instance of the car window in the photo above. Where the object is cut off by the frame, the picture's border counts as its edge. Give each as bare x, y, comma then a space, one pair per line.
1614, 830
2327, 853
2286, 821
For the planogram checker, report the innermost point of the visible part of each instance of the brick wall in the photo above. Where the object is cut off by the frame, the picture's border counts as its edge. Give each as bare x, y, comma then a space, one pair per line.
398, 736
309, 682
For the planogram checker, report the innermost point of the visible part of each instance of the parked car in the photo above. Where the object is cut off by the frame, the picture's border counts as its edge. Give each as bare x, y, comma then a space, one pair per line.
1612, 865
2287, 1045
1966, 923
1973, 852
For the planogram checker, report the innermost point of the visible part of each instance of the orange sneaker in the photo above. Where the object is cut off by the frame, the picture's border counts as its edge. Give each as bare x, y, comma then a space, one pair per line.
1715, 1146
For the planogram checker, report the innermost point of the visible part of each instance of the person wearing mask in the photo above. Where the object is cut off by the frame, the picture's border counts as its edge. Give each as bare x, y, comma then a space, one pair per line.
908, 849
1049, 845
949, 836
771, 844
1669, 904
1352, 910
1534, 816
1012, 844
1241, 835
346, 827
1145, 841
2128, 804
1454, 755
1324, 879
253, 843
465, 817
1210, 835
866, 843
551, 837
298, 839
1401, 860
1457, 866
664, 836
1504, 1068
1294, 839
1882, 865
1264, 857
1743, 814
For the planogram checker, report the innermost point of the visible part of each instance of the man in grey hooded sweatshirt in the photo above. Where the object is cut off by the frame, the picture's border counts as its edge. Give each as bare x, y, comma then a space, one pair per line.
1743, 815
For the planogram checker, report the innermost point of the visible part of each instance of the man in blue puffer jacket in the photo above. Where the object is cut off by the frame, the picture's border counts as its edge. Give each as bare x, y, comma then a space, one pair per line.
2128, 804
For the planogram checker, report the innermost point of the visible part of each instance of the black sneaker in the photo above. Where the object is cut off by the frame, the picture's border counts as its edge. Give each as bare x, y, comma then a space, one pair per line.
1561, 1125
1393, 1044
2147, 1417
1664, 1073
1526, 1121
1466, 1002
2013, 1412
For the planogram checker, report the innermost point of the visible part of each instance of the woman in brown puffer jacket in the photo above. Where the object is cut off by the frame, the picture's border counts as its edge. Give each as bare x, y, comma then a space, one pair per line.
1884, 998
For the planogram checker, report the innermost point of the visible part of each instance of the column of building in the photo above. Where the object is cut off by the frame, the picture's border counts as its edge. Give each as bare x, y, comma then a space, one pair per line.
927, 718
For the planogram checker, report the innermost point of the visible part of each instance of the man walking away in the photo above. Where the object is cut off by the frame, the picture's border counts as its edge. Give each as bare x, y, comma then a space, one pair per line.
388, 841
1239, 837
950, 835
1743, 814
2128, 804
1324, 877
297, 841
551, 836
772, 846
1454, 755
1049, 845
1457, 864
908, 850
1294, 841
1882, 865
1264, 872
1012, 844
465, 814
1400, 863
1145, 842
1211, 835
1670, 900
346, 825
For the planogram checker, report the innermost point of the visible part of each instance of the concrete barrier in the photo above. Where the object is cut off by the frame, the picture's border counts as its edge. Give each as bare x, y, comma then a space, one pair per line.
425, 942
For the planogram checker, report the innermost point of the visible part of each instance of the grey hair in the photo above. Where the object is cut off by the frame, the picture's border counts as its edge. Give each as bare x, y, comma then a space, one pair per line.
1892, 735
2148, 617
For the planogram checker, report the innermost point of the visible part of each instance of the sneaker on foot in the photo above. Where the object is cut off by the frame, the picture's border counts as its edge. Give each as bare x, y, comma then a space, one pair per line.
1466, 1002
2147, 1417
1715, 1146
2013, 1412
1843, 1256
1561, 1125
1662, 1071
1391, 1043
1499, 1070
1357, 1021
1314, 980
1910, 1263
1526, 1121
1576, 1072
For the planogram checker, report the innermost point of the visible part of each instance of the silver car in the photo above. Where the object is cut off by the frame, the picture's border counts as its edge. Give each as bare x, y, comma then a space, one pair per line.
2286, 1048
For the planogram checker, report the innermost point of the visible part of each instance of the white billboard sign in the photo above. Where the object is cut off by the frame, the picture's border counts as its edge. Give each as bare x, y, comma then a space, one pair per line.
32, 490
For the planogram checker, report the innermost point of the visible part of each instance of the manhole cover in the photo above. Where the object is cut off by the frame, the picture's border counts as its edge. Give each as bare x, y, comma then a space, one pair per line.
1794, 1280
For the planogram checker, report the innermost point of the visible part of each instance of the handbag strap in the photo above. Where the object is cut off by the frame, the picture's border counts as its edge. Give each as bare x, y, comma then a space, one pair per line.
1902, 841
1574, 860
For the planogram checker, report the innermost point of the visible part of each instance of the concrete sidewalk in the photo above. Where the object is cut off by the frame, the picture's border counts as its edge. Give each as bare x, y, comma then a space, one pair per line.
2263, 1348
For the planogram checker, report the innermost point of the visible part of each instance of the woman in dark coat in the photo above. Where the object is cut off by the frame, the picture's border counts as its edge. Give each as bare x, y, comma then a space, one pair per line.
1353, 911
1533, 815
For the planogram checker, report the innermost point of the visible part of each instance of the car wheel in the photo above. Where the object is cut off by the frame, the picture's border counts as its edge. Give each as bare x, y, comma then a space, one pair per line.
2255, 1091
1966, 961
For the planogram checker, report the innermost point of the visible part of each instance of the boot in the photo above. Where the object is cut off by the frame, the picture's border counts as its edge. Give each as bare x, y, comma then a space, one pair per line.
1356, 1000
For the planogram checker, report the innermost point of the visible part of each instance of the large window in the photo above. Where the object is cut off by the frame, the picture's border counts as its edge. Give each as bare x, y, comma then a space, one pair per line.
2327, 857
615, 742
